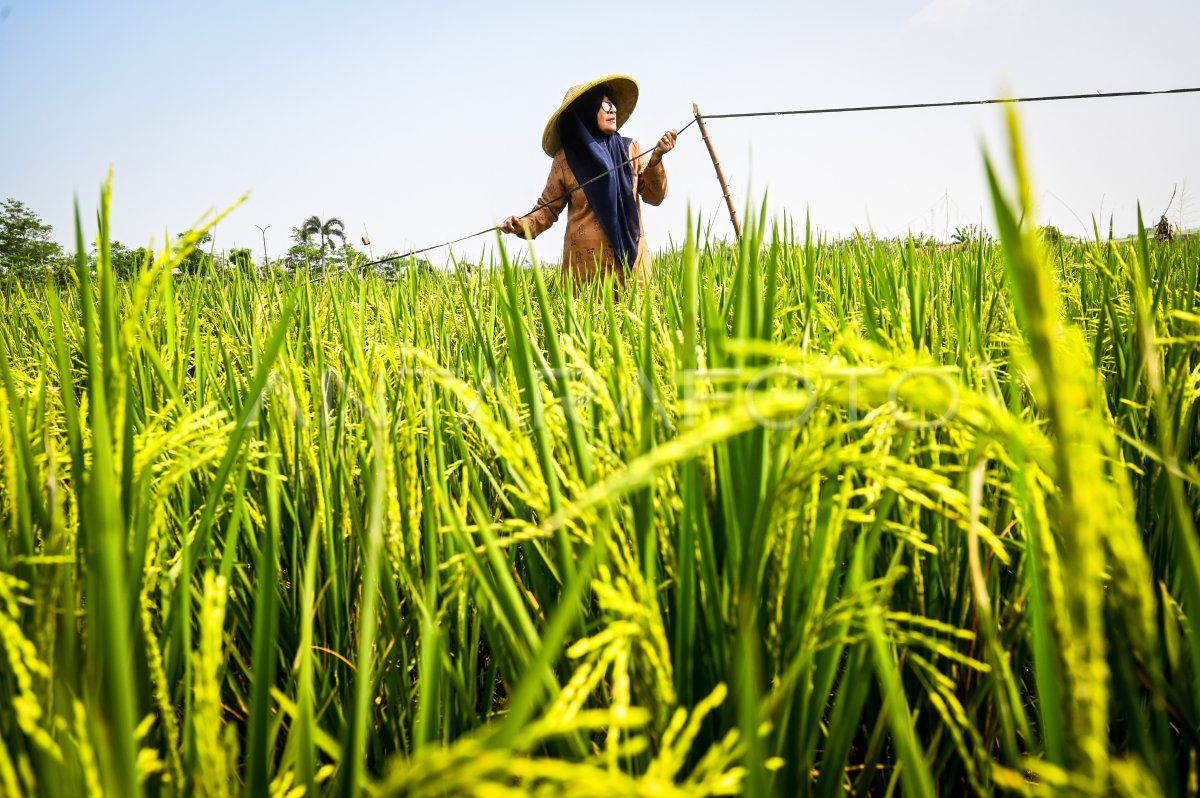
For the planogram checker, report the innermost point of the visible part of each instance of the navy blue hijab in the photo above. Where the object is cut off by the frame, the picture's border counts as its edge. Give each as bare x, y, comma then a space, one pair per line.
590, 153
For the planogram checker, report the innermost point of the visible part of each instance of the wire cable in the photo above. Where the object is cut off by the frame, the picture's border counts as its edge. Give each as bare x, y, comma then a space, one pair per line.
537, 208
806, 112
955, 103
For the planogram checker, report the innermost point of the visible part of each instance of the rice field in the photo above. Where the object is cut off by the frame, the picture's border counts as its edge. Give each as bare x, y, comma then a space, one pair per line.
803, 517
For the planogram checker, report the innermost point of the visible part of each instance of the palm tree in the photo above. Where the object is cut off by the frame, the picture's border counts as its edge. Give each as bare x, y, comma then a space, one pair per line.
331, 228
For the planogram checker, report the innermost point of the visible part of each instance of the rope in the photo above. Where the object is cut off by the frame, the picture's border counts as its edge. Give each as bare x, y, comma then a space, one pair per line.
955, 103
538, 208
802, 112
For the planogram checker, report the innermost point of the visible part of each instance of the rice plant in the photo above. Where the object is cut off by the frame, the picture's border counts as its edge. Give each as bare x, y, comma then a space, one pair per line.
801, 517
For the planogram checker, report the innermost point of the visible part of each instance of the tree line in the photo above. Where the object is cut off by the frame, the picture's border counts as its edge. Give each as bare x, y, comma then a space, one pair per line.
30, 255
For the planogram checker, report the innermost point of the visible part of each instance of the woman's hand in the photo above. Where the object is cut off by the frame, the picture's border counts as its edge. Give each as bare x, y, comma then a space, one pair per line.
514, 225
665, 145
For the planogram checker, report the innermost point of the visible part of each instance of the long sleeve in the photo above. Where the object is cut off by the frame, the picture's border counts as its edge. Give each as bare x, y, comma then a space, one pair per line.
652, 180
552, 201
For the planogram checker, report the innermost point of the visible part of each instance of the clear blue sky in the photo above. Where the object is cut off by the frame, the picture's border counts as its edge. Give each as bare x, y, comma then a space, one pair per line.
423, 121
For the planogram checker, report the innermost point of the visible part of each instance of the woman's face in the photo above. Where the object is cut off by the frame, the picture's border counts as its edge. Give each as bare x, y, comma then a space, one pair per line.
607, 120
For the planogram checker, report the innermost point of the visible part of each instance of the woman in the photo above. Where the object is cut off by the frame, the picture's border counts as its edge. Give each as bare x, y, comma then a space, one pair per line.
604, 219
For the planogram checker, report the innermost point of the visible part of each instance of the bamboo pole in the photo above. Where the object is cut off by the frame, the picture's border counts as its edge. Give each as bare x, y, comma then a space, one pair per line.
712, 153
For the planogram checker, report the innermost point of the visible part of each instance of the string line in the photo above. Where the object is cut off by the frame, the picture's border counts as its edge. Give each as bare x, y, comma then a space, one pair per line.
805, 112
955, 103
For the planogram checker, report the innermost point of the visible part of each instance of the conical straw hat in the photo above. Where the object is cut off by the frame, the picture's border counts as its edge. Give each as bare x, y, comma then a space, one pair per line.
624, 94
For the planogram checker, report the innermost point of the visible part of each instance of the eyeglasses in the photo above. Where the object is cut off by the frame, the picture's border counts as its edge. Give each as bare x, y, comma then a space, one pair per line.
608, 107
